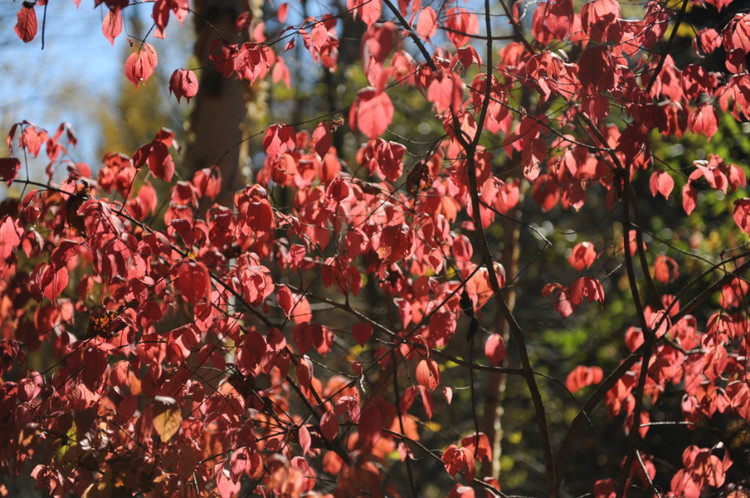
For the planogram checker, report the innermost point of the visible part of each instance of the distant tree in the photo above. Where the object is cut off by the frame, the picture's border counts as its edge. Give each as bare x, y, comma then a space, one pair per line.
530, 212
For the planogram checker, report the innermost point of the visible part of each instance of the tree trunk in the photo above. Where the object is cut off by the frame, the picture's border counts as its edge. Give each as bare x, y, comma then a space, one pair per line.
220, 105
493, 408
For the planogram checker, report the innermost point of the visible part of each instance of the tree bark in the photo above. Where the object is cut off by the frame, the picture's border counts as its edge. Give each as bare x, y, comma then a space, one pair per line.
220, 105
493, 408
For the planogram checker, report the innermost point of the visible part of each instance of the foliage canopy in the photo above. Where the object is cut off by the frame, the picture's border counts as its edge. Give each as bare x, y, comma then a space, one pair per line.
343, 328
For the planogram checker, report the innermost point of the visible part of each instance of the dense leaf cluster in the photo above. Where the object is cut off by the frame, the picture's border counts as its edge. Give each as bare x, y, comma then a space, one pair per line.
228, 348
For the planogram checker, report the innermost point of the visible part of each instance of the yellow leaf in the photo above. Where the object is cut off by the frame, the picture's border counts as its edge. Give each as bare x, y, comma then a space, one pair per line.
433, 426
102, 488
167, 417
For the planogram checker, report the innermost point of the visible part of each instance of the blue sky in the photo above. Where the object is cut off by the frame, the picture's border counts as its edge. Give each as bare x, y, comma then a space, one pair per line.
76, 73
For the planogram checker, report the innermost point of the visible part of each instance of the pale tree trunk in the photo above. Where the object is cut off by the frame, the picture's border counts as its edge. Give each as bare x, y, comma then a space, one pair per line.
220, 106
493, 408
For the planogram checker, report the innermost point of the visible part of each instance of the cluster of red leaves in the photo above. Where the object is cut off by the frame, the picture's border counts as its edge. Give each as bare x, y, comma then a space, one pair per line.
188, 359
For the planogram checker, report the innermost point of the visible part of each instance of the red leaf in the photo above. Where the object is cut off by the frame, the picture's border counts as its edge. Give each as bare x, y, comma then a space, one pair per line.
589, 288
478, 445
293, 305
459, 459
140, 65
26, 24
461, 23
494, 349
367, 10
408, 398
596, 69
427, 401
322, 139
223, 57
278, 140
448, 393
427, 24
185, 230
532, 155
396, 242
208, 182
362, 332
285, 299
329, 425
183, 83
704, 120
734, 295
332, 463
370, 424
338, 189
661, 269
251, 63
461, 491
563, 303
250, 351
112, 25
304, 439
302, 312
160, 14
740, 35
742, 214
689, 197
10, 237
281, 72
256, 211
605, 488
719, 4
226, 486
583, 256
428, 374
445, 91
546, 192
33, 138
282, 11
598, 16
95, 361
193, 282
371, 112
661, 182
582, 376
302, 337
468, 56
9, 167
453, 459
304, 371
739, 397
57, 284
160, 161
707, 41
559, 17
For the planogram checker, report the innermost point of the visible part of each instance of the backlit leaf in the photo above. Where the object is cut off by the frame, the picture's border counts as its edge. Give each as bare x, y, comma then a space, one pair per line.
112, 25
141, 64
371, 113
26, 24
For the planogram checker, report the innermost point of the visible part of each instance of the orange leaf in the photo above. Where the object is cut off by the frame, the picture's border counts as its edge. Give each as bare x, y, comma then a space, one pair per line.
428, 374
